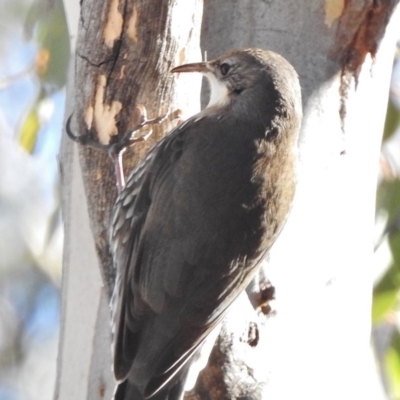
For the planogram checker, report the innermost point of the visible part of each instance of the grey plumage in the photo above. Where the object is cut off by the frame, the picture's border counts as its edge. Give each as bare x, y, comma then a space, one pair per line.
197, 216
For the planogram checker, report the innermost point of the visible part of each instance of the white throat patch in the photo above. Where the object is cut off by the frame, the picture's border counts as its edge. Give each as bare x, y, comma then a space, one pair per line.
219, 95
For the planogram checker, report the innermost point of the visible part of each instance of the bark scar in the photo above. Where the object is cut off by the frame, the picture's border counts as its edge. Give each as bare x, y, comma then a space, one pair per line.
132, 30
113, 26
98, 64
103, 115
358, 34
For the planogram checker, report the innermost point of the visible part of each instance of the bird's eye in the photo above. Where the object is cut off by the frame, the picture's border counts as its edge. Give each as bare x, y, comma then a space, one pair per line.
224, 68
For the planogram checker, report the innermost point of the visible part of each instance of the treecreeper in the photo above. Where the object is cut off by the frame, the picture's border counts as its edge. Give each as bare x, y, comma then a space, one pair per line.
196, 217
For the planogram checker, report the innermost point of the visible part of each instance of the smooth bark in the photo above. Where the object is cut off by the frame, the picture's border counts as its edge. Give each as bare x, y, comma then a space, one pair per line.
314, 342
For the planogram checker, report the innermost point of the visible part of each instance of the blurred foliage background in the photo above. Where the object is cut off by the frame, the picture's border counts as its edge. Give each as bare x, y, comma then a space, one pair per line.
34, 49
386, 300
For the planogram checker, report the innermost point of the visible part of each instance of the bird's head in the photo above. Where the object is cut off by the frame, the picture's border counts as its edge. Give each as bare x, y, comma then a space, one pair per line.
248, 78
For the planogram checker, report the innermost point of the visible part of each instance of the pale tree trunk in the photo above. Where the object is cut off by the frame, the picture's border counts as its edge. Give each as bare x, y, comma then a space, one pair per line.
312, 341
316, 344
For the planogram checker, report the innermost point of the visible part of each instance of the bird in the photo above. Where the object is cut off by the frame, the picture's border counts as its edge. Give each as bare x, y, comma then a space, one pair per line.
197, 216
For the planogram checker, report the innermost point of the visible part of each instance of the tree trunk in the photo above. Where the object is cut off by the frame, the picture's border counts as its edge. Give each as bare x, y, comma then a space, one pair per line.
312, 341
316, 343
123, 56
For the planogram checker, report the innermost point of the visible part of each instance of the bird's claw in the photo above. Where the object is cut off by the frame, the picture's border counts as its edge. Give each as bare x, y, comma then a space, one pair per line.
116, 149
128, 139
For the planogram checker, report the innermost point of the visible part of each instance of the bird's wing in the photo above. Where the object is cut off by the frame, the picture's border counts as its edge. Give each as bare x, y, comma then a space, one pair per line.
128, 217
179, 265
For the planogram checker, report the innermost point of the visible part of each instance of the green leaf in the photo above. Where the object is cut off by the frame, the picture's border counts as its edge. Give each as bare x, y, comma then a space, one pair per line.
394, 244
29, 130
392, 366
46, 20
387, 290
384, 302
392, 120
388, 198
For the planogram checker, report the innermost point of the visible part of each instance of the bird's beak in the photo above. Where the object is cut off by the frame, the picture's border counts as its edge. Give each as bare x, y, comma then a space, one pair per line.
202, 67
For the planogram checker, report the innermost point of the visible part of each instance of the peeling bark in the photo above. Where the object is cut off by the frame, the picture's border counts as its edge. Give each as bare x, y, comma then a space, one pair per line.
125, 50
361, 28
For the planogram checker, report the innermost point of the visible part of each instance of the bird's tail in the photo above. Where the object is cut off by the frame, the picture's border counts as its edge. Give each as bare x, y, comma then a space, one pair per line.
173, 390
126, 391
